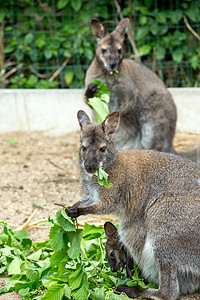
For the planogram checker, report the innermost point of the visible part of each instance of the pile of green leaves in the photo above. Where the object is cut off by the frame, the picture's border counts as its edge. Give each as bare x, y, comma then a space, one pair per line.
71, 264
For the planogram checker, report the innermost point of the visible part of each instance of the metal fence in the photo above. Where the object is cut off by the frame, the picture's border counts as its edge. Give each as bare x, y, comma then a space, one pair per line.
49, 44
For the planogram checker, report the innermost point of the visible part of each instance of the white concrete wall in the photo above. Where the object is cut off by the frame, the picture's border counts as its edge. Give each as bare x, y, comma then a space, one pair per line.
188, 106
53, 112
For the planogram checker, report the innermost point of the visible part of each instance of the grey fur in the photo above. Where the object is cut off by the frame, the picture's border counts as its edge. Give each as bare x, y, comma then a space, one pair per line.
157, 198
147, 109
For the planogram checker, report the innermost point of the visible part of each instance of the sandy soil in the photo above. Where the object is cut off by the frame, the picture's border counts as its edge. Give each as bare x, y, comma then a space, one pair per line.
39, 171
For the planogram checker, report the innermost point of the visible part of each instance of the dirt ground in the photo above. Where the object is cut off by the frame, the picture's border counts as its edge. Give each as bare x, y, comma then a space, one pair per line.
39, 171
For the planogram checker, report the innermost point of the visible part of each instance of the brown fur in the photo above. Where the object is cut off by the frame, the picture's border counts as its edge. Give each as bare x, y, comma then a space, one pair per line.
157, 198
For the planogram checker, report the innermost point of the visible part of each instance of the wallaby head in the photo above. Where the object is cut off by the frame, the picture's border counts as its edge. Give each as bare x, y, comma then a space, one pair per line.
115, 251
97, 148
109, 51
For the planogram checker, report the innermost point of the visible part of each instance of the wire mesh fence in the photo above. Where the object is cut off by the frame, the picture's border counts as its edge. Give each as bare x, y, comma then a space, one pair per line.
49, 44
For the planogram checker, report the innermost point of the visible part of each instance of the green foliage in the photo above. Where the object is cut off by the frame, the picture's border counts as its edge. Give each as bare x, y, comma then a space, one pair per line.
71, 267
12, 141
100, 101
71, 264
42, 38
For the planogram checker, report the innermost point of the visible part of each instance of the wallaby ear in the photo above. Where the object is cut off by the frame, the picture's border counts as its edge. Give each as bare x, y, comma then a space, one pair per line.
110, 230
98, 28
122, 26
111, 122
83, 118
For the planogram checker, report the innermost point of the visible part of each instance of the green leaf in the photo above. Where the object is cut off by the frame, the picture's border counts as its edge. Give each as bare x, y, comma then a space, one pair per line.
55, 292
24, 292
21, 234
29, 38
48, 53
102, 89
32, 275
176, 16
13, 141
58, 256
7, 288
100, 101
161, 17
75, 241
75, 278
14, 267
110, 279
144, 50
62, 3
36, 255
160, 52
97, 295
64, 221
69, 76
82, 292
76, 4
177, 55
56, 236
113, 296
92, 231
100, 108
142, 32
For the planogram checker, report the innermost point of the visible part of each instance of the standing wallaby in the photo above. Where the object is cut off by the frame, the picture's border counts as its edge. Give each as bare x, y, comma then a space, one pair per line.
116, 253
157, 198
147, 111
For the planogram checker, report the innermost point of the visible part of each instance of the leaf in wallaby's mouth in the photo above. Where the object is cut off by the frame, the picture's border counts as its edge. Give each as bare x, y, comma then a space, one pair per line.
102, 177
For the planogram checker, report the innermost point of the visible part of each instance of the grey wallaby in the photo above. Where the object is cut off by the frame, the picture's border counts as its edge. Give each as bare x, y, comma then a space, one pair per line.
147, 111
117, 254
157, 198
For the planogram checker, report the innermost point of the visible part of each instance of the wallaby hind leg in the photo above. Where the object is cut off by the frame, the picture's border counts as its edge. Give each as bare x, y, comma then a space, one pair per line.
168, 290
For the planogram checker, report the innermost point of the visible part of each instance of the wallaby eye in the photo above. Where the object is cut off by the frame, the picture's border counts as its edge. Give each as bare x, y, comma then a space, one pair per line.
83, 148
120, 50
103, 149
103, 51
112, 253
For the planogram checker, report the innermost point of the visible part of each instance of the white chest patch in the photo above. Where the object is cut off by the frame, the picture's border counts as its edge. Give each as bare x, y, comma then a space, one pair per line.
148, 263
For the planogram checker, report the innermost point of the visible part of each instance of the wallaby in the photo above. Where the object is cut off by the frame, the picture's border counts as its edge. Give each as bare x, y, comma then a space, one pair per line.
147, 111
116, 253
157, 198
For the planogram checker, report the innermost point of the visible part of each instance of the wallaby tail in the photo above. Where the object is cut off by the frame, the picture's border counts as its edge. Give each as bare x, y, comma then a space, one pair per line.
192, 155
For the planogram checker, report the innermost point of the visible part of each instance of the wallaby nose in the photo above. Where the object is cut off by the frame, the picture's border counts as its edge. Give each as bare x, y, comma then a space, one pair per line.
90, 167
112, 64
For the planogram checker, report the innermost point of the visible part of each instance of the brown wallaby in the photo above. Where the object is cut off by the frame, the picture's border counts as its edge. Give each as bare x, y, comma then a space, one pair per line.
116, 253
157, 198
147, 111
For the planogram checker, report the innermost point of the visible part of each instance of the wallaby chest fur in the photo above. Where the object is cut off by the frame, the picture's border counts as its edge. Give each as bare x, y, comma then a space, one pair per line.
147, 110
157, 198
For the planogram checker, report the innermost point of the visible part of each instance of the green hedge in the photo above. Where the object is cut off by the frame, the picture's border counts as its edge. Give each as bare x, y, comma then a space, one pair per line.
49, 44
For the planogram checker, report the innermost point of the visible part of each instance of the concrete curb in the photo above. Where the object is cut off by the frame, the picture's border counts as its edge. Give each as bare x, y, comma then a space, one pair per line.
53, 112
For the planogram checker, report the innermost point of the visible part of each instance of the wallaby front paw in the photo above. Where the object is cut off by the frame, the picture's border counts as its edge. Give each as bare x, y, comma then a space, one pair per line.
91, 90
72, 212
131, 292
